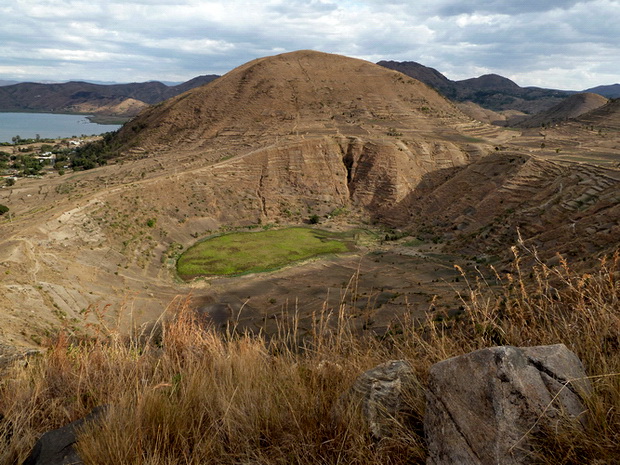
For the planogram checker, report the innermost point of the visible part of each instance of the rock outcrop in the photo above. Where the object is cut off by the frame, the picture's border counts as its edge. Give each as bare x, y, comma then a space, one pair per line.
383, 396
56, 447
482, 407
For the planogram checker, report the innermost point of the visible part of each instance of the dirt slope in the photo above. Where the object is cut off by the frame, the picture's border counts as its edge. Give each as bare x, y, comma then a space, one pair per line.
283, 97
573, 107
573, 209
501, 118
606, 116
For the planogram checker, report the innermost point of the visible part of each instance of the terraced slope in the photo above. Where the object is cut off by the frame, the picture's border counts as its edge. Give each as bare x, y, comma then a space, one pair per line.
568, 208
572, 107
606, 116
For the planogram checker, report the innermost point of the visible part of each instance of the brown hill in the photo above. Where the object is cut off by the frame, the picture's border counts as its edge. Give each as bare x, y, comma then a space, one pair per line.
384, 129
502, 118
490, 82
606, 116
295, 94
123, 108
574, 106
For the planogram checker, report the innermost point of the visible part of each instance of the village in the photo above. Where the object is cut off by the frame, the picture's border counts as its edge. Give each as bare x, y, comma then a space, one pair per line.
35, 158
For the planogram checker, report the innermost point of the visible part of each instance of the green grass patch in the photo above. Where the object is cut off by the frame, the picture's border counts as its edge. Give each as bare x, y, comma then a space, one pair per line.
473, 140
253, 252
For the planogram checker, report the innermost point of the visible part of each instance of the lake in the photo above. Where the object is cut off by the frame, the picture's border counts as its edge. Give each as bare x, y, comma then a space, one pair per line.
48, 126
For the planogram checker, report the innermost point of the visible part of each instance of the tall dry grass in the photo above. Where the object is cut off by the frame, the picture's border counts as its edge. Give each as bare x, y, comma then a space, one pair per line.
195, 395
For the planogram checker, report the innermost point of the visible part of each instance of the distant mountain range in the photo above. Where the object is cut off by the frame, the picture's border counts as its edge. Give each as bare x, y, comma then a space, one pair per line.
85, 97
490, 91
612, 91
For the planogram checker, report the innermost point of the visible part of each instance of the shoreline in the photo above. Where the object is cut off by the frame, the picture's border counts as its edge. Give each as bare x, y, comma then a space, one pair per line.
97, 119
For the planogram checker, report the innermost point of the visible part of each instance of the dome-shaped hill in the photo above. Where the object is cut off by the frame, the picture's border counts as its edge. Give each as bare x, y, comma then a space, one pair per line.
303, 93
301, 129
572, 107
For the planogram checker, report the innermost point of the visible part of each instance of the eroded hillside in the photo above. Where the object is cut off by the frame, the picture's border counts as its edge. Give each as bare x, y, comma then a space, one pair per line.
273, 142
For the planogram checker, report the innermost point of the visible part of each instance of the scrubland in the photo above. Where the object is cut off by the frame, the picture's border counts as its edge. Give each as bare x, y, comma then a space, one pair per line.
184, 392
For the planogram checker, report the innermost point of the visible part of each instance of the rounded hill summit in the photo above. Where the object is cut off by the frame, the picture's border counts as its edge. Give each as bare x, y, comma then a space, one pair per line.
304, 93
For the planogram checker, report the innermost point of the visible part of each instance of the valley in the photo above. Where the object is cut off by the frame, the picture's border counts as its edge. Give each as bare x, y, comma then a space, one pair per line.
274, 143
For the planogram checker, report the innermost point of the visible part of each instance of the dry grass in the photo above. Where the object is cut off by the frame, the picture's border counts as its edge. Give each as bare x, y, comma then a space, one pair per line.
194, 395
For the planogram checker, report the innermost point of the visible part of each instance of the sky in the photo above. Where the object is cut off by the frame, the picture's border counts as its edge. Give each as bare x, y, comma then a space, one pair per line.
561, 44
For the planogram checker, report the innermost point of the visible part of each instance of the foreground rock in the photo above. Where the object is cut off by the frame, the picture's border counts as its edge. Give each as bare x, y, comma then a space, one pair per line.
56, 447
482, 407
384, 395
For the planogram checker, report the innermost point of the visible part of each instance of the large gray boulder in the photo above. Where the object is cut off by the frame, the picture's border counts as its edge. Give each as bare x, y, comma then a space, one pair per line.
482, 407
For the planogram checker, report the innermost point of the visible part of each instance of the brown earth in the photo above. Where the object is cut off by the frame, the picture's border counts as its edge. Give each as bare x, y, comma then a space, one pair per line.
124, 108
273, 142
603, 117
557, 207
497, 118
572, 107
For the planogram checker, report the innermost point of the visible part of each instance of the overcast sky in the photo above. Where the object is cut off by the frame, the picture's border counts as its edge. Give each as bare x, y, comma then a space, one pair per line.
562, 44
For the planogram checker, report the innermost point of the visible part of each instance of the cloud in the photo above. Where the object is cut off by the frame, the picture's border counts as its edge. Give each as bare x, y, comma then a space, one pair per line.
555, 43
453, 8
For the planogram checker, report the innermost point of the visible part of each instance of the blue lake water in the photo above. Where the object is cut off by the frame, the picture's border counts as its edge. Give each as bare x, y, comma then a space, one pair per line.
46, 125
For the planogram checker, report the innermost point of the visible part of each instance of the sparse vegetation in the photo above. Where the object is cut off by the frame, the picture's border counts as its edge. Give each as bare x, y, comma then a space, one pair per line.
254, 375
314, 219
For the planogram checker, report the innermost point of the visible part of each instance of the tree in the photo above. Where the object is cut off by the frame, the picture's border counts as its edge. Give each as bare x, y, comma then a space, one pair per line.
3, 209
